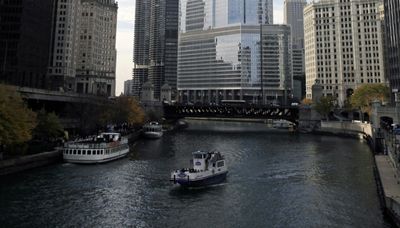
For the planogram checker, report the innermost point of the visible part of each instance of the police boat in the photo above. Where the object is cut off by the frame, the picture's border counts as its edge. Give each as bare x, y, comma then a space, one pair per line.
206, 168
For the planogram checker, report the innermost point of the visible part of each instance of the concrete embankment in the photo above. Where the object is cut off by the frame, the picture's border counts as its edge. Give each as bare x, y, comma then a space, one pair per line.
347, 129
388, 187
23, 163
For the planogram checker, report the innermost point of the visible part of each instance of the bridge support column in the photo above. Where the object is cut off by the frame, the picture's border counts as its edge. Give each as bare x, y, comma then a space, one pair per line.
241, 94
202, 96
233, 95
224, 92
209, 96
189, 96
196, 93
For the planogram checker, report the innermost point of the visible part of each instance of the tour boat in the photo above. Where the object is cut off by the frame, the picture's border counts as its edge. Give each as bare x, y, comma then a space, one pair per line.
282, 124
152, 130
207, 168
98, 149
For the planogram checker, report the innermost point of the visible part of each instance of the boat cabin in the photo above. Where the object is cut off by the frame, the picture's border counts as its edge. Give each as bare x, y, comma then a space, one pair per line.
109, 137
205, 160
152, 127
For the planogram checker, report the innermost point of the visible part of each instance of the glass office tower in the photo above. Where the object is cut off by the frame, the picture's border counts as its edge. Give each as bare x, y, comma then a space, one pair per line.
220, 55
155, 45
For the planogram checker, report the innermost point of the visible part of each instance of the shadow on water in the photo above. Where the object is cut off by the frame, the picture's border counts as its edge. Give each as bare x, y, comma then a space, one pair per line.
196, 192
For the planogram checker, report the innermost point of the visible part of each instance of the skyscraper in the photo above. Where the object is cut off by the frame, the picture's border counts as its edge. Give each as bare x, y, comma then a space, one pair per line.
392, 32
229, 50
293, 16
155, 45
141, 45
96, 53
128, 86
343, 46
25, 38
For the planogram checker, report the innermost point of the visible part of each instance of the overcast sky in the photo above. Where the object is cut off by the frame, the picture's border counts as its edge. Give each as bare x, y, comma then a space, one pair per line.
126, 15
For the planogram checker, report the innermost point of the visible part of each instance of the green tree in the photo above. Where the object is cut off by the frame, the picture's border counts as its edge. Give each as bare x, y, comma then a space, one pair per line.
16, 120
49, 127
325, 105
365, 94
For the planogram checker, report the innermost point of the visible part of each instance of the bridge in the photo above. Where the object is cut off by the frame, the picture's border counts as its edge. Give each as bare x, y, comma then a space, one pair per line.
289, 113
67, 105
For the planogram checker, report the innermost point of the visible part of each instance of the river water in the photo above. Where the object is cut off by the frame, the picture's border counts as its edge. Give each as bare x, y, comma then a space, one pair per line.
276, 179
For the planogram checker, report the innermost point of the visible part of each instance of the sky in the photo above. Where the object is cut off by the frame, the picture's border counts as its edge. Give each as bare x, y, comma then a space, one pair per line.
125, 30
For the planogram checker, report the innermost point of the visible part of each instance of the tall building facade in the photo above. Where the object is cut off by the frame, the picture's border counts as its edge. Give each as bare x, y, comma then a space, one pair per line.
25, 38
293, 16
141, 45
128, 86
62, 62
155, 44
343, 46
96, 53
229, 50
392, 33
64, 45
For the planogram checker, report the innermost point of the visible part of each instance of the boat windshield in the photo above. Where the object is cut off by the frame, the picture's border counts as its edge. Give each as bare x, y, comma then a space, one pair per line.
198, 156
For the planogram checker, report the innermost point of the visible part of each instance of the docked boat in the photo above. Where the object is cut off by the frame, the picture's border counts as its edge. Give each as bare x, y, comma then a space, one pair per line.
206, 168
152, 130
282, 124
98, 149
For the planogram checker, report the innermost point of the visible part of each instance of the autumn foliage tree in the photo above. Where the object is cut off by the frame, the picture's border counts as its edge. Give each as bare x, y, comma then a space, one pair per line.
127, 110
366, 94
16, 120
306, 101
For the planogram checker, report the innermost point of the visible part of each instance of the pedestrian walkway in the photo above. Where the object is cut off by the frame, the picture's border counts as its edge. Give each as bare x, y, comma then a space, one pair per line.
390, 180
391, 186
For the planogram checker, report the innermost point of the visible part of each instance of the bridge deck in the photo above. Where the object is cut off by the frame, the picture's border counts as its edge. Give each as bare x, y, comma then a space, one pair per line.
180, 111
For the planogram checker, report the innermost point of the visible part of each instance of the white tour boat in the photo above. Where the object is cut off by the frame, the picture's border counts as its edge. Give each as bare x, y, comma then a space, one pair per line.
282, 124
152, 130
207, 168
103, 148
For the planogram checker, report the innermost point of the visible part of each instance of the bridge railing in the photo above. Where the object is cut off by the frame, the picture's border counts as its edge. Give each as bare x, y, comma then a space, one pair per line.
227, 111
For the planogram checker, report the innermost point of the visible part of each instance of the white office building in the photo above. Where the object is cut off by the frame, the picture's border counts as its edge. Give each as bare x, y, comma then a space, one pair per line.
343, 46
62, 63
96, 53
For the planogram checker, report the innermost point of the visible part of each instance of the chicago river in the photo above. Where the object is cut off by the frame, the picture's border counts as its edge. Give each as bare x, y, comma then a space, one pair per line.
276, 179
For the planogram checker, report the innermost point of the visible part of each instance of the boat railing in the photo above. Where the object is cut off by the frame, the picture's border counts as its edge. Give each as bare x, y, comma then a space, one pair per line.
102, 145
187, 170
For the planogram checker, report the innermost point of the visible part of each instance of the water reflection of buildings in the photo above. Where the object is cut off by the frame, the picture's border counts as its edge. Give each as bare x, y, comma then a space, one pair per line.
219, 55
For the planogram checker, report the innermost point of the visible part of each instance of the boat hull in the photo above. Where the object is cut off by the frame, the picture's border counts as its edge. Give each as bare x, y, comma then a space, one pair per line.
153, 135
212, 180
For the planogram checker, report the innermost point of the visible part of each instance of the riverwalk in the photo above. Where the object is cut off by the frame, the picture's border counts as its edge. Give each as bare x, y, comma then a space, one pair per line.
390, 185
